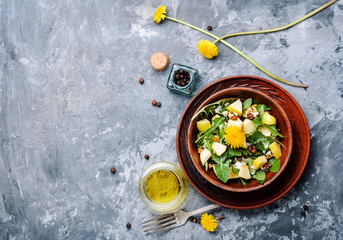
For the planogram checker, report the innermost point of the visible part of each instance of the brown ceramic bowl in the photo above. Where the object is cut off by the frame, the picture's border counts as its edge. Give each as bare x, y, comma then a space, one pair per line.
283, 124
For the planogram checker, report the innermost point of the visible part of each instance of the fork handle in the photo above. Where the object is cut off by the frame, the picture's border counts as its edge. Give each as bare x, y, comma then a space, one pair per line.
204, 209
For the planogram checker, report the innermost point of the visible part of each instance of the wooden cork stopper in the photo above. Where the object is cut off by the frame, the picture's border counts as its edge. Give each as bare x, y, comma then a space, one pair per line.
159, 61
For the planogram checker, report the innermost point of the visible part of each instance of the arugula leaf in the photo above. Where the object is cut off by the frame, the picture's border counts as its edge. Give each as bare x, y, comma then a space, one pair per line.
258, 137
260, 141
222, 131
275, 165
227, 102
234, 170
257, 122
237, 152
205, 109
246, 104
221, 168
207, 132
220, 159
260, 176
261, 108
243, 182
273, 130
249, 161
222, 171
207, 144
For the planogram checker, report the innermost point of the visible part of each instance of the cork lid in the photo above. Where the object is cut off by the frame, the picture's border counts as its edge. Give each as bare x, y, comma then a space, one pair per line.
159, 61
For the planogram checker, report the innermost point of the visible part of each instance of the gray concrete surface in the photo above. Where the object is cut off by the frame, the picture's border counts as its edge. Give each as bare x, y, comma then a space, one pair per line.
71, 108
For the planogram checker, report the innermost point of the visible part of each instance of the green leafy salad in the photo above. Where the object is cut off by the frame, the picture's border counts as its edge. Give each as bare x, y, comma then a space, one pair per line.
238, 139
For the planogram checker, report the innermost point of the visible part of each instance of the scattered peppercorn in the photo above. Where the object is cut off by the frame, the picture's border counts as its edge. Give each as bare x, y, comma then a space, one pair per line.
191, 219
239, 159
147, 156
209, 28
158, 104
128, 225
305, 207
303, 213
113, 170
154, 102
141, 80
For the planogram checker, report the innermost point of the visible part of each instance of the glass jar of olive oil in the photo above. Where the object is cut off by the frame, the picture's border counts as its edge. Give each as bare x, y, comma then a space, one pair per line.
162, 186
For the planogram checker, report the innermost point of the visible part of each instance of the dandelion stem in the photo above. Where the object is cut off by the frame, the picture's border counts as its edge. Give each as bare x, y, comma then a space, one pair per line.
221, 217
279, 28
239, 52
192, 26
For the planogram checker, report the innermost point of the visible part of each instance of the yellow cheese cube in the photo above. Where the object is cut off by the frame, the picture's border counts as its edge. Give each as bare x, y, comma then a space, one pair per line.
244, 172
203, 125
268, 119
259, 162
236, 107
276, 150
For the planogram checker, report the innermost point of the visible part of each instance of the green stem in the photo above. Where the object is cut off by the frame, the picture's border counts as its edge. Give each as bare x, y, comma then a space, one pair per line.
279, 28
192, 26
241, 53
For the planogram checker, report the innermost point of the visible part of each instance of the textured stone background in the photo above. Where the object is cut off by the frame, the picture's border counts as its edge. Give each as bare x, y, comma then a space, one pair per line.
71, 108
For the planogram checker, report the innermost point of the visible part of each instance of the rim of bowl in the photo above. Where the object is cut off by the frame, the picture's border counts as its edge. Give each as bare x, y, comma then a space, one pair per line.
223, 185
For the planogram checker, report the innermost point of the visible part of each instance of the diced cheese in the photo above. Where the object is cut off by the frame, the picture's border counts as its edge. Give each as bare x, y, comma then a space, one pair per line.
218, 148
204, 156
259, 162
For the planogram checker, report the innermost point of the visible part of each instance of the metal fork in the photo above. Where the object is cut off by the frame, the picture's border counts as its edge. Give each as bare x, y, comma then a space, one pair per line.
172, 220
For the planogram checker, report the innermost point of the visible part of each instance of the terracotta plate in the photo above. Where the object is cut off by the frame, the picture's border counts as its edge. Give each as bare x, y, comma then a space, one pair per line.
287, 179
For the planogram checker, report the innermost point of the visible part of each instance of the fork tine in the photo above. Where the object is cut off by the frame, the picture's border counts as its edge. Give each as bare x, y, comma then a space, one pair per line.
159, 217
163, 220
164, 229
166, 224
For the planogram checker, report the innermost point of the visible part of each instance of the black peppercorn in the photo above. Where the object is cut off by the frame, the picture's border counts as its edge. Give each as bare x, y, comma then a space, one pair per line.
305, 207
158, 104
141, 80
181, 77
128, 225
303, 213
147, 156
209, 28
113, 170
154, 102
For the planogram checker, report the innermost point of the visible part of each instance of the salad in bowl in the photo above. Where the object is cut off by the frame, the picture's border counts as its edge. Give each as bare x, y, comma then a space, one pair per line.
238, 140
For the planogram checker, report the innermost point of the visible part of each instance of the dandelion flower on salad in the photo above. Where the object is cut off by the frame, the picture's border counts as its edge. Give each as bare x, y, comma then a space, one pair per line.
235, 137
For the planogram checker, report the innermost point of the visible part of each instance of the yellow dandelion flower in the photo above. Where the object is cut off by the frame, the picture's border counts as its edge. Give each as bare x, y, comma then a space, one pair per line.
208, 222
160, 14
235, 137
207, 48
